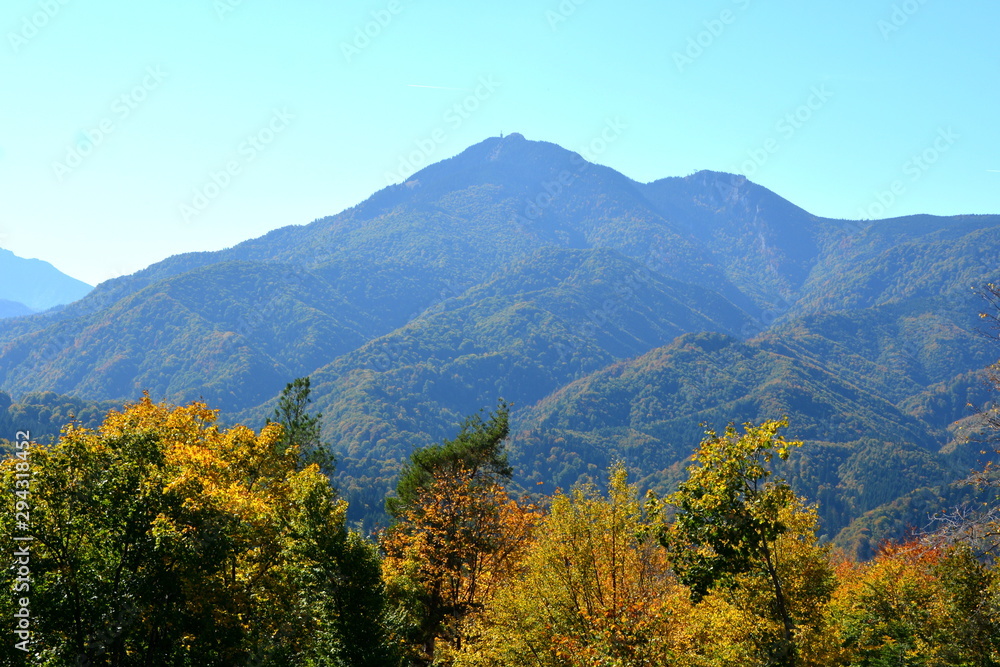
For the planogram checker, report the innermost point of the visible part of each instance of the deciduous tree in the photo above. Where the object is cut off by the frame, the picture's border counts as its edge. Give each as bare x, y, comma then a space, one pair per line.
594, 588
729, 516
916, 604
455, 537
160, 539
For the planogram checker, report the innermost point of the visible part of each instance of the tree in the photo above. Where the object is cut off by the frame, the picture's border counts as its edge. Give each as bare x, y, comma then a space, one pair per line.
300, 429
728, 517
160, 539
455, 536
593, 588
478, 451
916, 604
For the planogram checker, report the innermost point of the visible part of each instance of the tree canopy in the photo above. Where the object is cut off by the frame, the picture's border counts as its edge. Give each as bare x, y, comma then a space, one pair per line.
160, 539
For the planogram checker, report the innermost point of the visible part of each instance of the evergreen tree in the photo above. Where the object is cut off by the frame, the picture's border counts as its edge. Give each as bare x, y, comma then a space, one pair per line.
478, 449
455, 537
301, 429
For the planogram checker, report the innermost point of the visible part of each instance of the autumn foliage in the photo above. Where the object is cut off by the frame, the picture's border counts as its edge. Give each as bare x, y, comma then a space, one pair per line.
162, 539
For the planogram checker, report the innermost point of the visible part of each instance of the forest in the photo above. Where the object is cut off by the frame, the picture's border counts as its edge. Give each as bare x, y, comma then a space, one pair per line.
160, 537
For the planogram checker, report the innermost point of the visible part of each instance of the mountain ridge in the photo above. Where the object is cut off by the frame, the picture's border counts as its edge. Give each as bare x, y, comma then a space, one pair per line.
517, 269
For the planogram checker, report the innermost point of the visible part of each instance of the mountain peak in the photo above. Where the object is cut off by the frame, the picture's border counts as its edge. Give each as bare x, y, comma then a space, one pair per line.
510, 159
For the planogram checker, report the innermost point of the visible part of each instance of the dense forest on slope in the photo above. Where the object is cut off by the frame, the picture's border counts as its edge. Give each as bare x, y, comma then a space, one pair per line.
616, 317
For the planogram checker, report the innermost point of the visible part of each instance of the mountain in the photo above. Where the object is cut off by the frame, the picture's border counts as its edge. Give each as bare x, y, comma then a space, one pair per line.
31, 285
616, 316
13, 309
546, 320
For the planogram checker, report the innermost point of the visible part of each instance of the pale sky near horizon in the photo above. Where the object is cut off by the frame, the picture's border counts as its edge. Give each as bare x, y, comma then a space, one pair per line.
135, 131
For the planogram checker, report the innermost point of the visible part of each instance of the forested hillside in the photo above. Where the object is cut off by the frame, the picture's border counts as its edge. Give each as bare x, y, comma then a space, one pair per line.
615, 316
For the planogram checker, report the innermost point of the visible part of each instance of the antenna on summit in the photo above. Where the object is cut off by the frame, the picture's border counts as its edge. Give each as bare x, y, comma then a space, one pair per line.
501, 134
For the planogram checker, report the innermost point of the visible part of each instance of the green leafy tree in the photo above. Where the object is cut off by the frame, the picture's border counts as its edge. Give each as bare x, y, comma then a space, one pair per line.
478, 449
160, 539
728, 517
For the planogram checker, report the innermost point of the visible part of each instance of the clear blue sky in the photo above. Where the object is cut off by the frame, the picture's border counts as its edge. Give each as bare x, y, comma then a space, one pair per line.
887, 81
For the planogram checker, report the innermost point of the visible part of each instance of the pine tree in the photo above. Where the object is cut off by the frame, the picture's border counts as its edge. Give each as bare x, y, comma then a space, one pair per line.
301, 429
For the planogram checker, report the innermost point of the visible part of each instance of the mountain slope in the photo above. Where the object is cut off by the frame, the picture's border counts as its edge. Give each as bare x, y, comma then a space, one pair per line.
451, 227
227, 333
35, 284
517, 269
13, 309
648, 413
546, 320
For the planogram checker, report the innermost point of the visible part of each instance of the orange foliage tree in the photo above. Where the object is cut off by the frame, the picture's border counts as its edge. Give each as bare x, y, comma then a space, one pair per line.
456, 535
916, 604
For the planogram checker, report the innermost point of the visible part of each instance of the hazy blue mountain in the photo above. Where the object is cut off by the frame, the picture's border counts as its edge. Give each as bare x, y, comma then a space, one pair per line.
228, 333
13, 309
34, 285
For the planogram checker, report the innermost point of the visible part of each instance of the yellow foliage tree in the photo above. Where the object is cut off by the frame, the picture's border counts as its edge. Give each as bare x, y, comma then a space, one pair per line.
594, 588
735, 532
738, 623
161, 539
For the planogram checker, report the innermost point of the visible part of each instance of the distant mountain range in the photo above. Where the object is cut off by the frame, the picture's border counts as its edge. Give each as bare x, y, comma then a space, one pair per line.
617, 316
30, 285
13, 309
